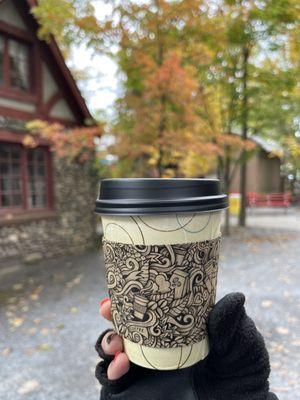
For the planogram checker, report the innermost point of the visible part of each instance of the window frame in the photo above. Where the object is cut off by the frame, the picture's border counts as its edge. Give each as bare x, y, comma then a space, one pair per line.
9, 32
21, 209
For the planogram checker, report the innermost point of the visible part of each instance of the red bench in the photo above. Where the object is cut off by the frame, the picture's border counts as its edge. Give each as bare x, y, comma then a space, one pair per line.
269, 200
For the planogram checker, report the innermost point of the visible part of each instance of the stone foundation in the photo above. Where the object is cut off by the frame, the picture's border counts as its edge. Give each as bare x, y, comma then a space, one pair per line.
71, 228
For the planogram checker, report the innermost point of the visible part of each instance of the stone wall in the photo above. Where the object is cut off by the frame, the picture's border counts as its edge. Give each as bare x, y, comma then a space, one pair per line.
70, 231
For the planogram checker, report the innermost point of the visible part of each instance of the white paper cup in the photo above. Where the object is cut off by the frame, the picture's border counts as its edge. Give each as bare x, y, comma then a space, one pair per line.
141, 215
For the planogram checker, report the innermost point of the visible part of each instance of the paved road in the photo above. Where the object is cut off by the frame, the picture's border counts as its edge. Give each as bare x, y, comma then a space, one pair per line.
272, 218
49, 316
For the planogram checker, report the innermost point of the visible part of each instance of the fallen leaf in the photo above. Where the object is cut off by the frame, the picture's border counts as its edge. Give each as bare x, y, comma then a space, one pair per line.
12, 307
44, 347
281, 389
276, 347
74, 281
74, 310
9, 314
44, 331
282, 331
285, 279
18, 286
28, 387
296, 342
61, 326
17, 322
266, 303
292, 320
32, 331
275, 365
29, 351
35, 295
6, 352
12, 300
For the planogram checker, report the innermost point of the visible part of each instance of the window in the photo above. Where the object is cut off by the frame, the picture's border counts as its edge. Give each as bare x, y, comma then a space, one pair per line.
14, 64
24, 177
11, 178
19, 65
36, 168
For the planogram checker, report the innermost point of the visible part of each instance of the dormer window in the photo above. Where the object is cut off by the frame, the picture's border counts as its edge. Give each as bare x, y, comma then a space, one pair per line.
14, 64
18, 65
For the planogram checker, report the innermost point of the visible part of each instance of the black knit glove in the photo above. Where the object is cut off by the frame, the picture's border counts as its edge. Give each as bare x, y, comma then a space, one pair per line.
237, 367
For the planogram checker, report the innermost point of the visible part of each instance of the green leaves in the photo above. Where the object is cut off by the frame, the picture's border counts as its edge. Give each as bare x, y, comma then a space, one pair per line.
184, 79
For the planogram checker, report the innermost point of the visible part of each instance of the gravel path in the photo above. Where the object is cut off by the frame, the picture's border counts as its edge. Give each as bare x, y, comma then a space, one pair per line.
49, 316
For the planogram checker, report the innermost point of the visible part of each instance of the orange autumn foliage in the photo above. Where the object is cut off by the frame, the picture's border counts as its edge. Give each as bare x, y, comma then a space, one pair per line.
75, 144
233, 143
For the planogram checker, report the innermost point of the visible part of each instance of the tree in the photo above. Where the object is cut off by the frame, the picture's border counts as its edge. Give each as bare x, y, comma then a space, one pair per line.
157, 122
250, 29
73, 145
158, 125
198, 77
152, 126
292, 159
71, 22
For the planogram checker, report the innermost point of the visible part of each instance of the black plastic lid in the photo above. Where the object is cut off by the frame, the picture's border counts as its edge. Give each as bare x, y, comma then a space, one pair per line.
141, 196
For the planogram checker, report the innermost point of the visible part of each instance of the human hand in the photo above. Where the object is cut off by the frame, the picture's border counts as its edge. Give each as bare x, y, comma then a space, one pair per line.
237, 367
110, 347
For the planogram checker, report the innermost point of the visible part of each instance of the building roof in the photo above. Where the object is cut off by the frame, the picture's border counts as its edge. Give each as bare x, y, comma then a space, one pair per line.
268, 145
58, 59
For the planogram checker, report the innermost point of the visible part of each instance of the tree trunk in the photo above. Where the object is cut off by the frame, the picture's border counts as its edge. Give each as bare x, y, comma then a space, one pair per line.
219, 170
243, 173
162, 122
293, 184
227, 190
227, 222
159, 165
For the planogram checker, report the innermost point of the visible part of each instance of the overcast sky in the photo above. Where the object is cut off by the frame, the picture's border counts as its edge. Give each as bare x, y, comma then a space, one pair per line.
100, 91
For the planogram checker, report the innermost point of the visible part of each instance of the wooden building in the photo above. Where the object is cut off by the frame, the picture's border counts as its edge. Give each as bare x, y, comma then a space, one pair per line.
43, 204
263, 169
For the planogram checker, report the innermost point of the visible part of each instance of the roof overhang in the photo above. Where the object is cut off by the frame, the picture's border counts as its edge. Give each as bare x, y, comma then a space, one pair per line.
59, 60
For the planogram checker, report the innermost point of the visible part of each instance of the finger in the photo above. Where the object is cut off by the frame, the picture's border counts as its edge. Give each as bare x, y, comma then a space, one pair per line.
224, 320
272, 396
105, 308
118, 367
112, 343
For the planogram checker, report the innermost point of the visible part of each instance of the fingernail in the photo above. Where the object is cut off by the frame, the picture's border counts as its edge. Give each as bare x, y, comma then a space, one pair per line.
116, 355
104, 301
110, 337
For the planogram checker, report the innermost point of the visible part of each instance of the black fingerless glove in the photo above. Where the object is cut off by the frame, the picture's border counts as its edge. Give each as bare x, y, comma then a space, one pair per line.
237, 367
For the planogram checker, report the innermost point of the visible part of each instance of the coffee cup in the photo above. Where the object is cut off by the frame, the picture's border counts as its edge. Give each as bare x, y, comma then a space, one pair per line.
161, 241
